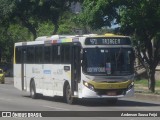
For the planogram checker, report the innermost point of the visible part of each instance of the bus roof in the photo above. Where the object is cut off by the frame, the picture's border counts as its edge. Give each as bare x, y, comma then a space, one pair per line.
66, 38
53, 37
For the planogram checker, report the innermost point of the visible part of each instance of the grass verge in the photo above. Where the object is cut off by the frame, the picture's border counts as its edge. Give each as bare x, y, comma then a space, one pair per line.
141, 86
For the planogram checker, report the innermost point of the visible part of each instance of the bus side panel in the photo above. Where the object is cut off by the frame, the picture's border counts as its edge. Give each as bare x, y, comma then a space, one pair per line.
60, 74
34, 72
37, 74
48, 80
29, 75
17, 76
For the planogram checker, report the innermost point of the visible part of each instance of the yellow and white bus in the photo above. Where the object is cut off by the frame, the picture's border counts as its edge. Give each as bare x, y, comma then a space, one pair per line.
86, 66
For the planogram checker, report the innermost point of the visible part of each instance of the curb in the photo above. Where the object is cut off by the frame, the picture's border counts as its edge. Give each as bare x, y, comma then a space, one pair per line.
143, 96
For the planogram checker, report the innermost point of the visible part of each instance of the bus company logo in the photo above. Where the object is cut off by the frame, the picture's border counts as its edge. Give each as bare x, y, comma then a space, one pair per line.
47, 71
6, 114
20, 114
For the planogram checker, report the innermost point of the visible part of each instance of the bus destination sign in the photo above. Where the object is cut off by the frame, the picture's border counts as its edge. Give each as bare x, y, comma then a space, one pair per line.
107, 41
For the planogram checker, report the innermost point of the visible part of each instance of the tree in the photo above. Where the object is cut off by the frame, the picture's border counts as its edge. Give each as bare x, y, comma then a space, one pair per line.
17, 11
29, 13
50, 10
141, 19
98, 14
13, 34
6, 7
138, 18
39, 17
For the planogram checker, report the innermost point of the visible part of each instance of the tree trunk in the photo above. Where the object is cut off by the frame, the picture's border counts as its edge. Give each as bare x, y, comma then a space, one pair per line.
55, 28
34, 32
151, 80
31, 27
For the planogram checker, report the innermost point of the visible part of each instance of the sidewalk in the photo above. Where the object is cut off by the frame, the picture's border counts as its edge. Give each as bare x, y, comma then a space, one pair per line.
144, 96
142, 91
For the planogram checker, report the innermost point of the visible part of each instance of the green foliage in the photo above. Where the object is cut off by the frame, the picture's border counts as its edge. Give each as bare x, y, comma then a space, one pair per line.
142, 15
138, 18
141, 86
144, 82
23, 20
66, 23
6, 7
98, 13
45, 28
141, 19
8, 37
30, 13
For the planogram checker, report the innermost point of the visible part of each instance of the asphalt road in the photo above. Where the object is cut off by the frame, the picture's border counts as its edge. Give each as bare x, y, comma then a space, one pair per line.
12, 99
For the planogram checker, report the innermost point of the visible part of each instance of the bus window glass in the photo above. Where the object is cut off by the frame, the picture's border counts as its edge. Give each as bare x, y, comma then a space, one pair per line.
30, 54
55, 54
18, 53
38, 54
47, 54
111, 61
65, 54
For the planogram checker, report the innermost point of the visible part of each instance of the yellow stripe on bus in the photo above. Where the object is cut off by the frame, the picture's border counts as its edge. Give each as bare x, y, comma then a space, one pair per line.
104, 85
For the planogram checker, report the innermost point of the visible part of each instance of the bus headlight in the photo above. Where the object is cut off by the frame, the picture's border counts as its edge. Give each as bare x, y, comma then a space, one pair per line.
88, 85
130, 85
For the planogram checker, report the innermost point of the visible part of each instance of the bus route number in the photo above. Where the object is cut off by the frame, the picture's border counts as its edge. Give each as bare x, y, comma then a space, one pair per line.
93, 41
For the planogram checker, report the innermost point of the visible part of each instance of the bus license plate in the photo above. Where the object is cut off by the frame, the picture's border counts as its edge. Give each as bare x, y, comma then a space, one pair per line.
111, 93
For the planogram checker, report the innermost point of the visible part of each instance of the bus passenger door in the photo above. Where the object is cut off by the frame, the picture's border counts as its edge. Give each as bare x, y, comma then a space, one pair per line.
23, 69
75, 68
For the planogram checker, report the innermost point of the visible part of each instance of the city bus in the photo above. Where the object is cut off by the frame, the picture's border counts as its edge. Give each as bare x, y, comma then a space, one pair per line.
83, 67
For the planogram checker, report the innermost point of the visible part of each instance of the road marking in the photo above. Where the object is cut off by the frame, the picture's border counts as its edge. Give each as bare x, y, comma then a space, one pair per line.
58, 108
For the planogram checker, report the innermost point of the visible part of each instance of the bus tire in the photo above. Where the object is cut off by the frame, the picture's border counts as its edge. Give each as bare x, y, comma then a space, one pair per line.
33, 93
67, 94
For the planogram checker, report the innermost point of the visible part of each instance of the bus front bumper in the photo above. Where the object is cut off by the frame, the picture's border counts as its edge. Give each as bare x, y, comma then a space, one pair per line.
87, 93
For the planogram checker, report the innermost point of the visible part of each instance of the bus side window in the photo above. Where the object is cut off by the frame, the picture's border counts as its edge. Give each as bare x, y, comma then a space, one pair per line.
38, 54
18, 55
30, 54
56, 54
65, 54
47, 54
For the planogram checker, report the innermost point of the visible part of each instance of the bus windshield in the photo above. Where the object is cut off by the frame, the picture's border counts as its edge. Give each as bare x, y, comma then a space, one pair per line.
108, 61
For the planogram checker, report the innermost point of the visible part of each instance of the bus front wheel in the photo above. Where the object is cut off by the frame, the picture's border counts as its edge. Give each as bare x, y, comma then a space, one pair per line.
68, 95
33, 93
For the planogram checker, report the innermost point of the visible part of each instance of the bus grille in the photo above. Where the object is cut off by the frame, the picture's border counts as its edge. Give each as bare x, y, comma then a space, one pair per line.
106, 91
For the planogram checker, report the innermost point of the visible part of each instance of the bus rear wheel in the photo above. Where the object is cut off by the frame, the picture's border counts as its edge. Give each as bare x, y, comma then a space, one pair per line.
68, 95
33, 93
